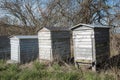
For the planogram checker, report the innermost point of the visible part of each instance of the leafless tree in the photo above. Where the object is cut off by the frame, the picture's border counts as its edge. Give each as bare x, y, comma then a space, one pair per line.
71, 12
41, 13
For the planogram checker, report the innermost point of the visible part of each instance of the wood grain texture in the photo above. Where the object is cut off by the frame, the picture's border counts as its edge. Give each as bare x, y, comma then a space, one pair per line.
90, 43
24, 50
53, 43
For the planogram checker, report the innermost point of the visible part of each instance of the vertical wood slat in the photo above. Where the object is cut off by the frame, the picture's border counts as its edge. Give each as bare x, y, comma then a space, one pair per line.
14, 49
93, 53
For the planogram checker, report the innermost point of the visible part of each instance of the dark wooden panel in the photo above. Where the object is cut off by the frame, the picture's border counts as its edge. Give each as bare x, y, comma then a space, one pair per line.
4, 42
28, 49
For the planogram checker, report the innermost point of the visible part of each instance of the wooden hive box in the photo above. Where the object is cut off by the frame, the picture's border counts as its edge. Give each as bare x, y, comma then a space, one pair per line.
54, 43
90, 44
24, 48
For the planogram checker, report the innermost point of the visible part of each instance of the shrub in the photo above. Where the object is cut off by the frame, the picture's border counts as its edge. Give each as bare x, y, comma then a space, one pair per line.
40, 71
3, 66
37, 65
10, 73
29, 75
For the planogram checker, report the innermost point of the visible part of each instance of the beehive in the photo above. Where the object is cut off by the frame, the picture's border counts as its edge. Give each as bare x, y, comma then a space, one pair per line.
54, 42
90, 44
24, 48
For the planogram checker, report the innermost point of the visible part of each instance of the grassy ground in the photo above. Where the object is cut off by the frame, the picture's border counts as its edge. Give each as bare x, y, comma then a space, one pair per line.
38, 71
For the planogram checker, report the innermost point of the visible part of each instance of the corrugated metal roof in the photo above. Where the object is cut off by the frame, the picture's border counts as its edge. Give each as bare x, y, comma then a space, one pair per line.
24, 36
89, 25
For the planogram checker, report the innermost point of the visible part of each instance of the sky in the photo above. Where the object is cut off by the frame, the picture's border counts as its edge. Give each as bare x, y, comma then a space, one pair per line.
3, 13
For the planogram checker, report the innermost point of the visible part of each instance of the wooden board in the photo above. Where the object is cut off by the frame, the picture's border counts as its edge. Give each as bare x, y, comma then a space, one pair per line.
44, 38
15, 50
82, 41
45, 54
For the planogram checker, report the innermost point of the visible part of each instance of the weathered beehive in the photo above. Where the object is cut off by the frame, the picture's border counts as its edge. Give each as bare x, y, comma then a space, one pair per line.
54, 43
91, 44
24, 48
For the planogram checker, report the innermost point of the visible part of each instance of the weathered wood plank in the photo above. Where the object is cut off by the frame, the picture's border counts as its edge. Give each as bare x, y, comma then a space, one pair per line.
44, 35
77, 39
48, 32
83, 32
58, 41
83, 46
84, 50
83, 28
83, 43
83, 58
44, 41
82, 36
48, 38
49, 44
40, 46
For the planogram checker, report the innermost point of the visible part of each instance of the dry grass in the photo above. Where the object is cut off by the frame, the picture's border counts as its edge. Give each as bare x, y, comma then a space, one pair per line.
40, 71
115, 44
